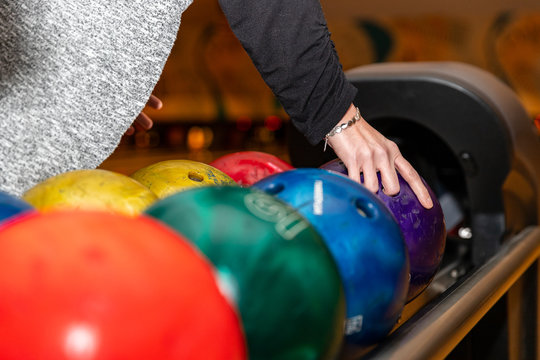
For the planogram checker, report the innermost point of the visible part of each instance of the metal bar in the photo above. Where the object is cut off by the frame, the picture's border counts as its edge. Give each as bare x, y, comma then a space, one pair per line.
439, 327
537, 309
514, 309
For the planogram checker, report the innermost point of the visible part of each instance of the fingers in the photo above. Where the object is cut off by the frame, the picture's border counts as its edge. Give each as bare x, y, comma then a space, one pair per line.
130, 131
369, 165
154, 102
389, 180
354, 171
410, 175
144, 121
364, 150
370, 176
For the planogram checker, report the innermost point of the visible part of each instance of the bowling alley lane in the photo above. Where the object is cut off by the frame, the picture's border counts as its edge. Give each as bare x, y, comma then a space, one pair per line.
208, 144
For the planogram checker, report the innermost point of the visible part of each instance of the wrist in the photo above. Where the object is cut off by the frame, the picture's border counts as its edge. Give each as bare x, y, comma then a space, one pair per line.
349, 119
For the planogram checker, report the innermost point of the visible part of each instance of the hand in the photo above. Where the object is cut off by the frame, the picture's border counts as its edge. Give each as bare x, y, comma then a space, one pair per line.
143, 121
364, 150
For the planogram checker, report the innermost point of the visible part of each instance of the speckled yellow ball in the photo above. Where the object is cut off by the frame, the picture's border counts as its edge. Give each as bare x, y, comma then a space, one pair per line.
91, 190
168, 177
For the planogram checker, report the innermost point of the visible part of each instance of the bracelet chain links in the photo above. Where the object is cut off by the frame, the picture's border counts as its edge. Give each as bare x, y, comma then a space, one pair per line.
339, 128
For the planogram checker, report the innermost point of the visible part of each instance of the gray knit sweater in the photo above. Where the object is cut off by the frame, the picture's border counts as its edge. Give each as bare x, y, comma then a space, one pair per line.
74, 74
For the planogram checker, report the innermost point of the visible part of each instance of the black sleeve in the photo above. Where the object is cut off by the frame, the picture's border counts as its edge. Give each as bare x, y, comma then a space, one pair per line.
289, 43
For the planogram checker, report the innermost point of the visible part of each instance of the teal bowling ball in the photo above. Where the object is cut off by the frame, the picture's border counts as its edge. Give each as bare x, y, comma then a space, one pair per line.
270, 262
364, 239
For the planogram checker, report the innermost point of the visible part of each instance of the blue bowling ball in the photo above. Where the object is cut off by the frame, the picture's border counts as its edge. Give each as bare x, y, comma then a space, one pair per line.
11, 207
364, 239
424, 230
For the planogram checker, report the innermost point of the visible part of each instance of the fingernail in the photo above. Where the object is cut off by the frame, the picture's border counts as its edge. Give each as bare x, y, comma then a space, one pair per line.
429, 203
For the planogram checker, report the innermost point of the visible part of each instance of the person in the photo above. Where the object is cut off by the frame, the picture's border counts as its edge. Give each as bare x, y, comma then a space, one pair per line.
74, 75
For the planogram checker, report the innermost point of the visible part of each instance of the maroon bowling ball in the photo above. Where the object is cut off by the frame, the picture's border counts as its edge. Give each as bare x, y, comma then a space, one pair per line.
424, 229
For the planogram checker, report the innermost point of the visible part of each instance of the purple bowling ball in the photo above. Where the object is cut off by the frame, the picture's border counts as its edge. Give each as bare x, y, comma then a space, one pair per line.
424, 229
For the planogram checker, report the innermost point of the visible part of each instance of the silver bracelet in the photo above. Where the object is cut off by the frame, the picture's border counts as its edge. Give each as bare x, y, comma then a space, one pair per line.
339, 128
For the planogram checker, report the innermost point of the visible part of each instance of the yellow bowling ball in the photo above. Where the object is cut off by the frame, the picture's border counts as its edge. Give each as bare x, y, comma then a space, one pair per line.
99, 190
168, 177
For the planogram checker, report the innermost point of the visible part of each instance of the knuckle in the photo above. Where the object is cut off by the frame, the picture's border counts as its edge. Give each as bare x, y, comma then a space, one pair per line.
379, 152
365, 153
392, 147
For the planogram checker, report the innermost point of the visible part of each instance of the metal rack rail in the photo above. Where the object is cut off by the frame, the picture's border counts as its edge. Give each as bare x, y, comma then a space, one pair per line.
439, 326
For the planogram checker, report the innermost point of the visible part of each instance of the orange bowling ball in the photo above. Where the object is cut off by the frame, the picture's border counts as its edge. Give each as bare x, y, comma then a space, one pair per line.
94, 285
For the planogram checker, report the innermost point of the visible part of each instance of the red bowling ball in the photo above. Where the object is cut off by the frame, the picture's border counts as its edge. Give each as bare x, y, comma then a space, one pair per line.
78, 285
248, 167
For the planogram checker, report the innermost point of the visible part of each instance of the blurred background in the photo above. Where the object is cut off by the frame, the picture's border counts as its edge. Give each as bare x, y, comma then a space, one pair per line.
215, 101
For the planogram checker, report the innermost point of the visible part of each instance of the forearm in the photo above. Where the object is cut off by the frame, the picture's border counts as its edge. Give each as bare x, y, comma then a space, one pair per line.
290, 45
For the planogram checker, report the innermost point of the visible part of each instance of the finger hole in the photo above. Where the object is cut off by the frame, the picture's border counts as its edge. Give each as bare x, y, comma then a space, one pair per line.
274, 189
365, 208
390, 183
193, 176
391, 193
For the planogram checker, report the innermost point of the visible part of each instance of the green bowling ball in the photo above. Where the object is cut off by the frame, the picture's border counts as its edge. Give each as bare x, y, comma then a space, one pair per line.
270, 262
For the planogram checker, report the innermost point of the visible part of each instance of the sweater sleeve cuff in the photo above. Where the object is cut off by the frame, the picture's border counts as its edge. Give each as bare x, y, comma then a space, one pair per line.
335, 112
